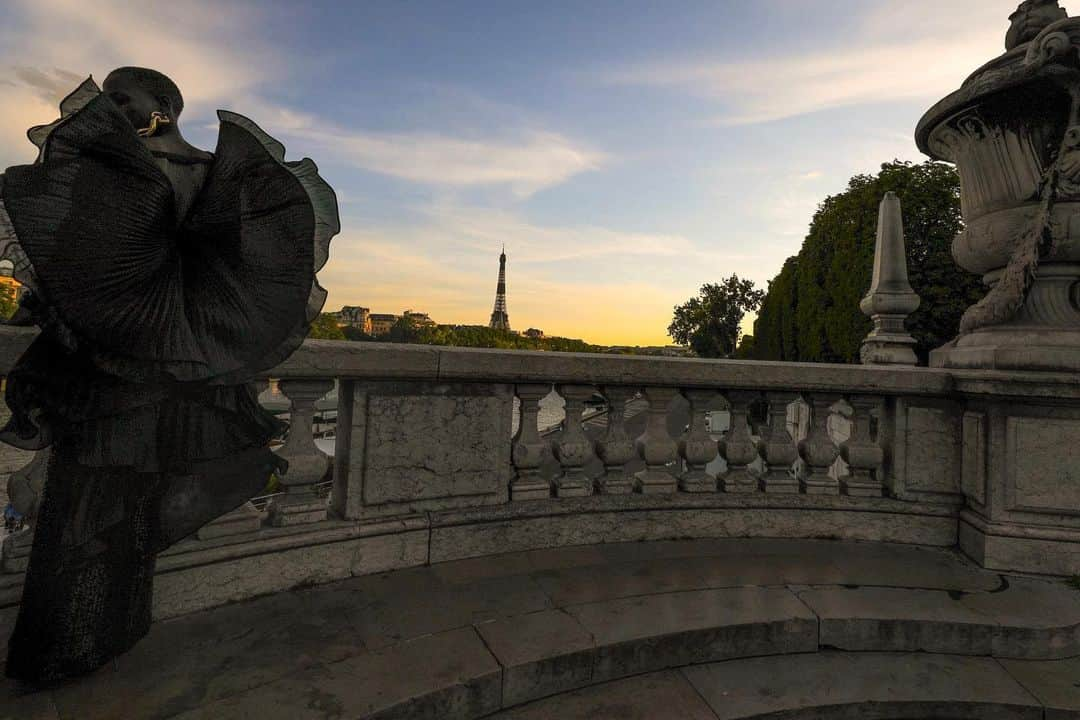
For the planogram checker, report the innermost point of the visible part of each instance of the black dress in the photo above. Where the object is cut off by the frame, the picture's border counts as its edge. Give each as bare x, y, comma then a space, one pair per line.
156, 314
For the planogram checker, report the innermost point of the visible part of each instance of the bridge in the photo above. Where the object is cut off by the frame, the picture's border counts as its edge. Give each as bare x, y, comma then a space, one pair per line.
883, 526
872, 541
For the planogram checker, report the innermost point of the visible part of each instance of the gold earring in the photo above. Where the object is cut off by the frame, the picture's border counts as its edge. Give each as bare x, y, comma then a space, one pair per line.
157, 118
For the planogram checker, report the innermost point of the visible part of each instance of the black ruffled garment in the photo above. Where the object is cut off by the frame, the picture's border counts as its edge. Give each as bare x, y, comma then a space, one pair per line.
154, 321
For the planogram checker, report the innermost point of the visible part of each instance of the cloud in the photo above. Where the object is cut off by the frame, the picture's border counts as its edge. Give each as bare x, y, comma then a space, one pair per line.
482, 229
206, 46
210, 50
534, 162
50, 46
50, 85
526, 163
873, 64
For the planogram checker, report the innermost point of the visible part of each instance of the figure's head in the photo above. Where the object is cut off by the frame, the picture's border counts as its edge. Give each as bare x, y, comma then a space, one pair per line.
140, 92
1030, 19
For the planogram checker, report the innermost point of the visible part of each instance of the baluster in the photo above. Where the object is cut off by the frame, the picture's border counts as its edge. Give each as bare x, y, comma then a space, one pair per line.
818, 450
655, 446
862, 454
776, 446
573, 448
528, 446
737, 446
24, 488
616, 449
841, 426
696, 447
307, 463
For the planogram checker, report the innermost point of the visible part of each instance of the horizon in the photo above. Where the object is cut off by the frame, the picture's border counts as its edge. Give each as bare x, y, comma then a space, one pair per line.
626, 154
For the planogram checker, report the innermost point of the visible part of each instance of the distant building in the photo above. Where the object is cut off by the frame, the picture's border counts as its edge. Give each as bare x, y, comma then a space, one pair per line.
381, 324
534, 333
419, 318
357, 317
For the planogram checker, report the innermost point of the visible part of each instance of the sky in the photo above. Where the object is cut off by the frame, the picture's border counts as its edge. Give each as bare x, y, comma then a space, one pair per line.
625, 152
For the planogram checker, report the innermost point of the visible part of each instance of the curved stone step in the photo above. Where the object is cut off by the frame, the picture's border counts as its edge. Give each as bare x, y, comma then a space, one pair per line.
465, 639
828, 686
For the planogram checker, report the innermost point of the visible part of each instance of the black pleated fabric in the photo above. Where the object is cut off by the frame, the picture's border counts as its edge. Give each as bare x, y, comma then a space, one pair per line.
153, 326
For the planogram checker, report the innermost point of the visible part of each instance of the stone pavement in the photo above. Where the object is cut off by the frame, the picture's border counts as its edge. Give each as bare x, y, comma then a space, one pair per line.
695, 629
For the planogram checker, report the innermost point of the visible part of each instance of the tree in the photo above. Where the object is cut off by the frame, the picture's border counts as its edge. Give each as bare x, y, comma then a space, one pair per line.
709, 323
405, 330
745, 350
356, 334
811, 311
325, 327
7, 302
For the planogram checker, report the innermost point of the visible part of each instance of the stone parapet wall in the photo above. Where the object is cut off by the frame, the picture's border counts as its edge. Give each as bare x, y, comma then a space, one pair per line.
438, 456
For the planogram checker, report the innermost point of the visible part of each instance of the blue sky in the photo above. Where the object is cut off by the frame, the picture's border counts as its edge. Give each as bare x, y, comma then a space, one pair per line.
625, 152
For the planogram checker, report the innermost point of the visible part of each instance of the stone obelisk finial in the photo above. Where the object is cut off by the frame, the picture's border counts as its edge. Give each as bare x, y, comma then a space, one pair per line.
891, 298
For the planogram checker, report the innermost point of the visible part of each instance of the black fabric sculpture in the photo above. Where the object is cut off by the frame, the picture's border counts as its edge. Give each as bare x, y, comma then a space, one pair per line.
158, 305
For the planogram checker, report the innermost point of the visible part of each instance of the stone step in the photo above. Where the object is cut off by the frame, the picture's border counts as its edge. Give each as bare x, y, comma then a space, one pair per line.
465, 639
827, 685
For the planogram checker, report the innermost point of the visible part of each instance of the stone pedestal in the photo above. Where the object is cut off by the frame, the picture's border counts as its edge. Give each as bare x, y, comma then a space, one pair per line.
1044, 335
1021, 480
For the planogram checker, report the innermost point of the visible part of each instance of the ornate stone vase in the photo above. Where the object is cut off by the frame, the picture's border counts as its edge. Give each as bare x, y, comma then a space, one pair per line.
1013, 131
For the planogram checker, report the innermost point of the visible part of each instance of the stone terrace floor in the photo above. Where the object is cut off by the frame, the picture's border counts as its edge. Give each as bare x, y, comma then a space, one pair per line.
681, 630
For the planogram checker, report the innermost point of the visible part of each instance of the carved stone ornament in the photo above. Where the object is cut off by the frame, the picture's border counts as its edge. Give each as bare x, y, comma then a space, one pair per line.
1013, 131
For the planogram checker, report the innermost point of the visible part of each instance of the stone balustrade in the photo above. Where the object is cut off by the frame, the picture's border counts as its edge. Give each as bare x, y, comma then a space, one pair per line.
427, 465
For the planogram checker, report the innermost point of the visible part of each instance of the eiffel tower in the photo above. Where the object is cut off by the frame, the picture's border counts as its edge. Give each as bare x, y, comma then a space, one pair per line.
499, 319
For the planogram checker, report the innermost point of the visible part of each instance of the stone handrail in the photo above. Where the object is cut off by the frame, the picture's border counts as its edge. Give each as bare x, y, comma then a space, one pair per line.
426, 466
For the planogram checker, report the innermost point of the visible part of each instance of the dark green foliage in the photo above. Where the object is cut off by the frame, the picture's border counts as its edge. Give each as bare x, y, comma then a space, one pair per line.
775, 335
811, 311
407, 330
485, 337
355, 333
745, 350
7, 302
325, 328
709, 323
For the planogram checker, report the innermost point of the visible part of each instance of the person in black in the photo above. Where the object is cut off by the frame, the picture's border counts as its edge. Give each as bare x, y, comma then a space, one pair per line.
164, 279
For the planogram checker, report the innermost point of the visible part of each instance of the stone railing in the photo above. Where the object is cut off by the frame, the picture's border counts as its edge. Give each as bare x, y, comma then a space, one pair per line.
427, 465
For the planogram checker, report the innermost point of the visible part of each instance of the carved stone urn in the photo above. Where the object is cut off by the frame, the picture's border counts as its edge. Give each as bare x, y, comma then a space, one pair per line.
1013, 131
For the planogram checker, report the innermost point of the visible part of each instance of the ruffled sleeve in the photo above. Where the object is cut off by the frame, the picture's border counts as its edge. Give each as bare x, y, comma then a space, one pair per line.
212, 298
10, 249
